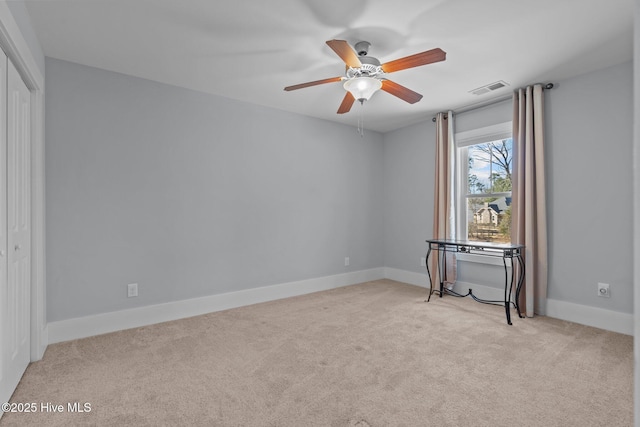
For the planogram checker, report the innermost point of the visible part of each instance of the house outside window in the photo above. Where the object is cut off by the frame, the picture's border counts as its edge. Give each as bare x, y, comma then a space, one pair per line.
483, 183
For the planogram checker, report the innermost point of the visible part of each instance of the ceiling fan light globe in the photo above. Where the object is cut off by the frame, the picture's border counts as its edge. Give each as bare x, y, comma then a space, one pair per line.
362, 88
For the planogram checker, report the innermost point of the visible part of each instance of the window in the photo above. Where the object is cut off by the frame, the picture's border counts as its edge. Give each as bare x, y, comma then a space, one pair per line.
484, 164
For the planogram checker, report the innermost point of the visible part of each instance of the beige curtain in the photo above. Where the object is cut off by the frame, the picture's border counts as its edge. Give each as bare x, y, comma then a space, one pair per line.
444, 198
528, 208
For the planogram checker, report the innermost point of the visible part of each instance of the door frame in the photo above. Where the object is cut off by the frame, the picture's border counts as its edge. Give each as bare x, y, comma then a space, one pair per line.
18, 51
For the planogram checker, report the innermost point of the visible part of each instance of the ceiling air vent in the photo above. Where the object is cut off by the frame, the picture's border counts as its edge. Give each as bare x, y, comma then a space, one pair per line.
490, 87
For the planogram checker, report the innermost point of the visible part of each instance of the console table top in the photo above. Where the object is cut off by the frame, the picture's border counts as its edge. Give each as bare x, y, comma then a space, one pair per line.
475, 244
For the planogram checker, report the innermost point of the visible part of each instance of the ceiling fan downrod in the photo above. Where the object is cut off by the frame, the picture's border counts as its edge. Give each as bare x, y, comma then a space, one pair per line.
362, 48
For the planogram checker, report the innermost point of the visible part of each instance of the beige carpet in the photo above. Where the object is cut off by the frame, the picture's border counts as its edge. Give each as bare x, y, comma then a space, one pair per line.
373, 354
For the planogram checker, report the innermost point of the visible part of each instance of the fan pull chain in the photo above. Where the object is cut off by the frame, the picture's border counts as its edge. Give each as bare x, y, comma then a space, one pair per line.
361, 120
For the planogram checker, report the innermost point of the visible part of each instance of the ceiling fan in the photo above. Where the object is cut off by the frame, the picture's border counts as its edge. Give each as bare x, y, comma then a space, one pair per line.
365, 75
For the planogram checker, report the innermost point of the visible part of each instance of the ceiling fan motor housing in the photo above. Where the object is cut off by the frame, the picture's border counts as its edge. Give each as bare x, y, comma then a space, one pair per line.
370, 67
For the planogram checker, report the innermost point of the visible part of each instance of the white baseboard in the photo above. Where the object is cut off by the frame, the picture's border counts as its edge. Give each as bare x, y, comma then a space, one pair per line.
585, 315
82, 327
591, 316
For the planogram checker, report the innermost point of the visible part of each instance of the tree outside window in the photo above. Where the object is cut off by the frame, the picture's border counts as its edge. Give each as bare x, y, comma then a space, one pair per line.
488, 195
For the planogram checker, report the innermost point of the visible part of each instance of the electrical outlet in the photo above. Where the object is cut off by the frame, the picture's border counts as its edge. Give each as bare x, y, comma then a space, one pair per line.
346, 261
132, 290
603, 290
423, 262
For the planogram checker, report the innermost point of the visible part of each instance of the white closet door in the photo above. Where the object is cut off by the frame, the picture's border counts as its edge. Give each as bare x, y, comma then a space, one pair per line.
7, 380
15, 165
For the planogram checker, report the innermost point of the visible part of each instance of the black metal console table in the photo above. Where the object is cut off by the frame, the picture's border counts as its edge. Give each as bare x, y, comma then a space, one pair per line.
502, 250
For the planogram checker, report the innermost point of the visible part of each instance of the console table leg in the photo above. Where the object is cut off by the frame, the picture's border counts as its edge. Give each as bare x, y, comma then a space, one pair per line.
442, 269
520, 282
507, 305
429, 274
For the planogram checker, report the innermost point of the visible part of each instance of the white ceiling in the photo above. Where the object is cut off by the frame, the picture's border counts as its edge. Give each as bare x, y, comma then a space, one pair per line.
251, 49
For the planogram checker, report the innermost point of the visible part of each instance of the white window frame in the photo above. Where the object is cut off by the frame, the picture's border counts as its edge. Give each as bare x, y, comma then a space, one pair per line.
462, 140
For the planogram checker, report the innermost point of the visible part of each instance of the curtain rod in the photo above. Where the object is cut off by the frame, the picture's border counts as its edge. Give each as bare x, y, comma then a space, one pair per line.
489, 102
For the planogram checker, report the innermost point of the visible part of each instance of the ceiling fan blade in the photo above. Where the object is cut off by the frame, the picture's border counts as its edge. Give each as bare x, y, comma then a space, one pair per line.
347, 102
344, 51
424, 58
401, 92
314, 83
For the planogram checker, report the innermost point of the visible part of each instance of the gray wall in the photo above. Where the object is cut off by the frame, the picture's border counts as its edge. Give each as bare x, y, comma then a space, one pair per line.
590, 121
189, 194
589, 172
486, 116
408, 194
